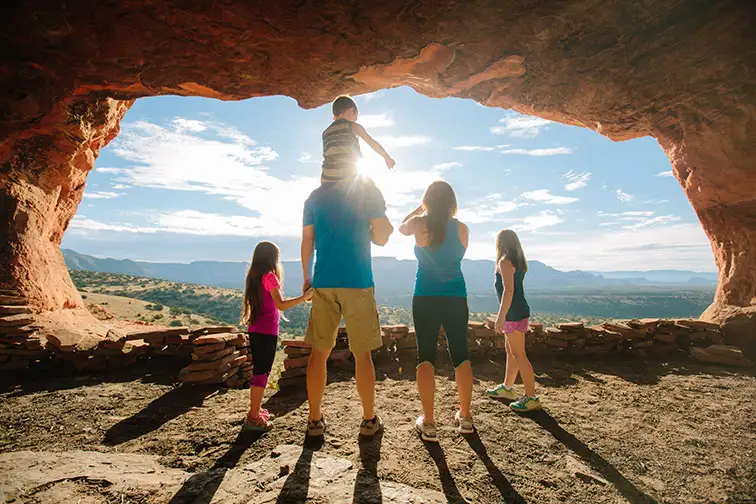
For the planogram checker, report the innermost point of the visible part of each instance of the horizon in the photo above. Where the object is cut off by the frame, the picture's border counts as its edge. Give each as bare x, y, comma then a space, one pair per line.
598, 272
193, 179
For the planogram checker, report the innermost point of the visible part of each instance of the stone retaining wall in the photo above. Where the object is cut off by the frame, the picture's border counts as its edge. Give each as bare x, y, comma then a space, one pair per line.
220, 354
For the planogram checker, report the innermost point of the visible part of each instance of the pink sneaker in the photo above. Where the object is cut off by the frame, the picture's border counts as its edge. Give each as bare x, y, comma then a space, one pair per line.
259, 424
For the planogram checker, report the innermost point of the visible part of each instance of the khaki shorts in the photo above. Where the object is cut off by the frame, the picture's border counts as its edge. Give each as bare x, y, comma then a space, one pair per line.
360, 316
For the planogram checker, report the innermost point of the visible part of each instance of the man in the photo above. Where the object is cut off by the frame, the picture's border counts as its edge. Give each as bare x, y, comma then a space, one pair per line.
341, 219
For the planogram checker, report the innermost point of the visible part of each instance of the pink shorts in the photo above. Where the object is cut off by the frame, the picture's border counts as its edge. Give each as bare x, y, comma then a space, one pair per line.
519, 325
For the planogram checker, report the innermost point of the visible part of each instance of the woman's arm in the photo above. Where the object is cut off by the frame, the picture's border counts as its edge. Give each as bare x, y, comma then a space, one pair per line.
506, 270
284, 304
407, 228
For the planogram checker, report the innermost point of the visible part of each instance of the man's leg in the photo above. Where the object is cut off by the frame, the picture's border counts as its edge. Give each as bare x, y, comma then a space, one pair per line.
364, 330
364, 374
317, 376
325, 316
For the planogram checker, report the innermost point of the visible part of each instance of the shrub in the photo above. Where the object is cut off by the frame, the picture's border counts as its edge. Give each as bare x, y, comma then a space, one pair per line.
175, 323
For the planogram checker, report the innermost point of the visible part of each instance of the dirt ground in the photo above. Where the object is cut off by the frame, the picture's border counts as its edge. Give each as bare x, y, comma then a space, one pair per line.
612, 431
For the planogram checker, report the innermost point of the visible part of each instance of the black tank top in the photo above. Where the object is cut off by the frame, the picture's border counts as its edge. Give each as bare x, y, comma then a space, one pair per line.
519, 309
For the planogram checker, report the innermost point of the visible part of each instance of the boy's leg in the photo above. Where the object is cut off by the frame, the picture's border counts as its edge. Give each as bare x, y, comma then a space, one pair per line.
325, 316
364, 333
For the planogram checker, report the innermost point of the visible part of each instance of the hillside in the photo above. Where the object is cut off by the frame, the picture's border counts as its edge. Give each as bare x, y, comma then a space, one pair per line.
394, 276
106, 307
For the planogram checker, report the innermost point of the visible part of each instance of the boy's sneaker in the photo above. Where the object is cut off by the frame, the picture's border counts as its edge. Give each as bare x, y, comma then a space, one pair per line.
371, 427
525, 404
427, 431
502, 392
259, 424
316, 428
464, 424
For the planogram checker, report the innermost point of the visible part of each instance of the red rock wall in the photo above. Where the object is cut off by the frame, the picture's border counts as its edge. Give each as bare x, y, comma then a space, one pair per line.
680, 70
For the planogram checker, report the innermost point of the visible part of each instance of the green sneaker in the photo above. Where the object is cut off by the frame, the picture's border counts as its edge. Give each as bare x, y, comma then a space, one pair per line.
525, 404
502, 392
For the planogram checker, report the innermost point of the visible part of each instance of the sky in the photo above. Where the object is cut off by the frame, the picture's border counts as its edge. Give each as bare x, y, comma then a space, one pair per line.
199, 179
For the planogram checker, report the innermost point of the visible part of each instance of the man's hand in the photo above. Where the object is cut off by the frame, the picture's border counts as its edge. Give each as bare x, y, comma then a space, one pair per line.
390, 163
307, 294
307, 285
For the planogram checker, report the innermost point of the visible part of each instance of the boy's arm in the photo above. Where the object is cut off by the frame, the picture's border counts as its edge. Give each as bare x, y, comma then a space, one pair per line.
360, 132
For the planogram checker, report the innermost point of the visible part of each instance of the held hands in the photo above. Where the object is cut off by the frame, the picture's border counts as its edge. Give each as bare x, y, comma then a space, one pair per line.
307, 294
499, 325
390, 163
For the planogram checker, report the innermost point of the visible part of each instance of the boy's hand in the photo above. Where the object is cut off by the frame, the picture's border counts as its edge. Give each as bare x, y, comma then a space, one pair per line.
390, 163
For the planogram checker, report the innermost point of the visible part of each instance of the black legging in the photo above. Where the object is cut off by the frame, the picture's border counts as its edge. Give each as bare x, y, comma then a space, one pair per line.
262, 348
429, 314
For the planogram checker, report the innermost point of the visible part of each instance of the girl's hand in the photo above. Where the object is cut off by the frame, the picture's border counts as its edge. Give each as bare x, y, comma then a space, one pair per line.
499, 325
308, 294
390, 163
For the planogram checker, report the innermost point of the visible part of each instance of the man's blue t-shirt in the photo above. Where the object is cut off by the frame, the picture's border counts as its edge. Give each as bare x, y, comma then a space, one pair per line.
340, 213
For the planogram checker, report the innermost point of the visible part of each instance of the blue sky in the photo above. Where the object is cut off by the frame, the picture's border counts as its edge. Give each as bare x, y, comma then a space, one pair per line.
199, 179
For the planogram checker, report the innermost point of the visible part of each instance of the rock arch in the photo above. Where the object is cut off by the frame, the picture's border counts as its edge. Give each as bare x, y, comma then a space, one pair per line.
680, 71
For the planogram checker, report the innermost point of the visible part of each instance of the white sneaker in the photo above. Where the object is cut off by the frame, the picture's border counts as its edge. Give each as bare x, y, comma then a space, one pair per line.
464, 424
427, 431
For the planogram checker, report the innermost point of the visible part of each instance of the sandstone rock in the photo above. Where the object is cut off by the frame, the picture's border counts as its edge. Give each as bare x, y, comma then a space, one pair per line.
177, 339
212, 356
698, 325
296, 351
13, 309
14, 365
296, 362
6, 299
665, 337
208, 348
156, 334
720, 355
18, 320
214, 338
570, 326
212, 330
295, 343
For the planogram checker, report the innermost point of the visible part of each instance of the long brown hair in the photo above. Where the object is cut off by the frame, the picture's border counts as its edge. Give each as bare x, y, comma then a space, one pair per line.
264, 260
440, 204
508, 246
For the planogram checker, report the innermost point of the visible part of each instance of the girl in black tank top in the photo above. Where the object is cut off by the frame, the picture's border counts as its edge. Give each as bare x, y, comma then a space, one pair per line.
512, 321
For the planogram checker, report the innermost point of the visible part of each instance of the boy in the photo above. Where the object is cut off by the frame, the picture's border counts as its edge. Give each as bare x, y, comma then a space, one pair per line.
341, 147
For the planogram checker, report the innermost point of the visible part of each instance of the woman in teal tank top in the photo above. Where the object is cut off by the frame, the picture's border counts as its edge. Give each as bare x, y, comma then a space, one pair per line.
512, 321
440, 300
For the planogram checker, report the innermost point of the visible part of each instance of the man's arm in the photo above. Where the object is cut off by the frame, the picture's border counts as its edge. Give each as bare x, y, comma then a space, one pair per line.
380, 230
360, 132
307, 249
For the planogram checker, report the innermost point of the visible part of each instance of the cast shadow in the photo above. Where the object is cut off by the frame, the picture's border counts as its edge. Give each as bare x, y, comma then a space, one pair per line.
508, 493
593, 459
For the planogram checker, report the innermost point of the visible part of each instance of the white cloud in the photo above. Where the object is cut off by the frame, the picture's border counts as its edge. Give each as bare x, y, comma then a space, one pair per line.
538, 221
545, 196
447, 166
368, 97
540, 152
121, 186
230, 166
653, 221
403, 141
83, 225
305, 157
623, 196
372, 121
101, 195
180, 124
476, 148
487, 209
678, 246
634, 213
109, 170
576, 180
667, 173
520, 126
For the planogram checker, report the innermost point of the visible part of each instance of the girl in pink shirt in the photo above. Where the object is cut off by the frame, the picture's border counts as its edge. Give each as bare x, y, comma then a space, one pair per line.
261, 312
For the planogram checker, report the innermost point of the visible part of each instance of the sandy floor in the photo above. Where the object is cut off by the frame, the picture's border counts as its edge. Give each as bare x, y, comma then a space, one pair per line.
611, 431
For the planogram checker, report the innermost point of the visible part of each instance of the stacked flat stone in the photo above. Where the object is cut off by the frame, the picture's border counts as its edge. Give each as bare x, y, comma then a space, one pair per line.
218, 356
20, 343
298, 354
